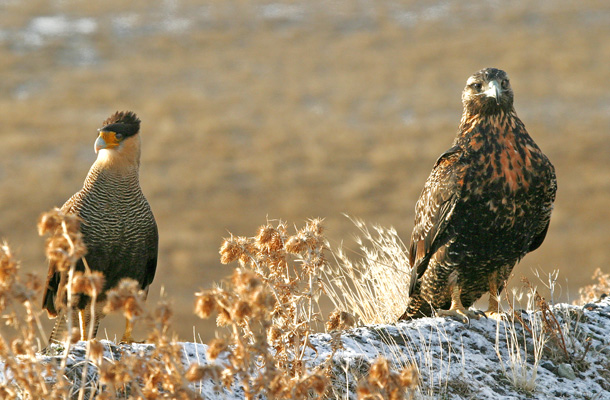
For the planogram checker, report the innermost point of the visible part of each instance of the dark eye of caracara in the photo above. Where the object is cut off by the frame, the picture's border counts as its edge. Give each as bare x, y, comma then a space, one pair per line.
505, 83
476, 87
123, 123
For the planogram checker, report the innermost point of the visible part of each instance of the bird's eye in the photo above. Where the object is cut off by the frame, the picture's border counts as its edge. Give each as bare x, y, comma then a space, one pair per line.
476, 86
118, 136
505, 83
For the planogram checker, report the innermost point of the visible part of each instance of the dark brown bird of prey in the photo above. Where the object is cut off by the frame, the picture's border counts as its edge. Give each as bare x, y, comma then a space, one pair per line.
118, 226
486, 204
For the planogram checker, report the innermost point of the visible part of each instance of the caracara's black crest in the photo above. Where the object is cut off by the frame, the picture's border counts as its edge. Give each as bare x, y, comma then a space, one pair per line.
124, 122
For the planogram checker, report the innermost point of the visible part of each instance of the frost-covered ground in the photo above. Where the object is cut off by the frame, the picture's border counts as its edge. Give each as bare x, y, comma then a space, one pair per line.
455, 360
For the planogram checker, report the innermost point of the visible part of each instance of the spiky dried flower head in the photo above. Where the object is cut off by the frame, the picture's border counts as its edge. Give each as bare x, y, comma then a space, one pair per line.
8, 266
340, 320
269, 239
163, 312
245, 281
296, 244
226, 378
408, 377
18, 347
241, 310
195, 372
224, 317
379, 373
205, 304
236, 248
274, 334
90, 284
317, 383
126, 296
75, 335
65, 244
96, 349
315, 226
215, 347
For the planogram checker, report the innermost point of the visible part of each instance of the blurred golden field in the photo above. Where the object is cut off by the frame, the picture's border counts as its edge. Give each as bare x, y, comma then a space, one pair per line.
294, 109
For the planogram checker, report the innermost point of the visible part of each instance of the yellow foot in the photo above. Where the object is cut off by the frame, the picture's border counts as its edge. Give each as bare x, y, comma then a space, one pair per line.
461, 313
494, 314
129, 340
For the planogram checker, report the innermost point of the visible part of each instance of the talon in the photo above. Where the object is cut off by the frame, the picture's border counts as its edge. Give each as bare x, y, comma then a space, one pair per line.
493, 314
461, 313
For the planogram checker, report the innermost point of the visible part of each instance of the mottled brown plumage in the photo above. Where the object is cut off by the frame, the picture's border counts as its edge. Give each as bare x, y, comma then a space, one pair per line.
118, 227
486, 204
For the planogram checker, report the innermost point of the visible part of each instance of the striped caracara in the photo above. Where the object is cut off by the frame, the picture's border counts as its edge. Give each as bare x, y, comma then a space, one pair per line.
118, 226
486, 204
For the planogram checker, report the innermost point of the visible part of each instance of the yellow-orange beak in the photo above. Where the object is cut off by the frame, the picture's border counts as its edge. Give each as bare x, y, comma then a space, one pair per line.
106, 140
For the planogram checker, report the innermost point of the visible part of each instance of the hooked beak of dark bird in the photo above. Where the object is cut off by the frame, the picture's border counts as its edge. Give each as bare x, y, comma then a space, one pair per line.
494, 90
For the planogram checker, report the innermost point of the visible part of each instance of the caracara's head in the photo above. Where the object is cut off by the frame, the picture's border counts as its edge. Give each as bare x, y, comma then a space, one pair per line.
118, 139
487, 91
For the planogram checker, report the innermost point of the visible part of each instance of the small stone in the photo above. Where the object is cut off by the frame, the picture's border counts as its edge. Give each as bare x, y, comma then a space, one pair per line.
549, 366
590, 306
566, 371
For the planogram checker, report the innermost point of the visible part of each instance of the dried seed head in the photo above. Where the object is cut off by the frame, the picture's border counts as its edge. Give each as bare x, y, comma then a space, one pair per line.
274, 334
18, 347
49, 221
205, 304
216, 347
408, 377
364, 389
296, 244
110, 373
270, 240
318, 383
277, 385
65, 246
8, 267
227, 378
96, 349
245, 281
241, 310
134, 308
224, 318
195, 373
315, 226
163, 313
75, 335
127, 296
380, 372
265, 235
89, 284
262, 300
230, 250
340, 320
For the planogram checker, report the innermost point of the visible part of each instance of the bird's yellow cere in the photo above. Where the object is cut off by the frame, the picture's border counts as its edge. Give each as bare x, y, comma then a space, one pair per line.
106, 140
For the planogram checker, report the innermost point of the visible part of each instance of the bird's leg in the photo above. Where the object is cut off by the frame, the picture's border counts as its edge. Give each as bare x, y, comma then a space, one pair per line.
493, 311
84, 318
127, 338
457, 309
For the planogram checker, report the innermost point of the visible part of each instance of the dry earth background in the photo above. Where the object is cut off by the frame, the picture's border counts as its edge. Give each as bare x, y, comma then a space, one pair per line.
261, 109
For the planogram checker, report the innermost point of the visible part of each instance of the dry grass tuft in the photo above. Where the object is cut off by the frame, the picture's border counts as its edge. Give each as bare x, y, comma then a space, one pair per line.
374, 289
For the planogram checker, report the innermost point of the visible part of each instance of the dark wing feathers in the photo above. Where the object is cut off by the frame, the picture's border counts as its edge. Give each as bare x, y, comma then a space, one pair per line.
434, 209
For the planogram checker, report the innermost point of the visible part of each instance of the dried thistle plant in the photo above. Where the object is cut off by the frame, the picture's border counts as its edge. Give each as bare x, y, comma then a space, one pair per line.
270, 307
383, 383
595, 291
